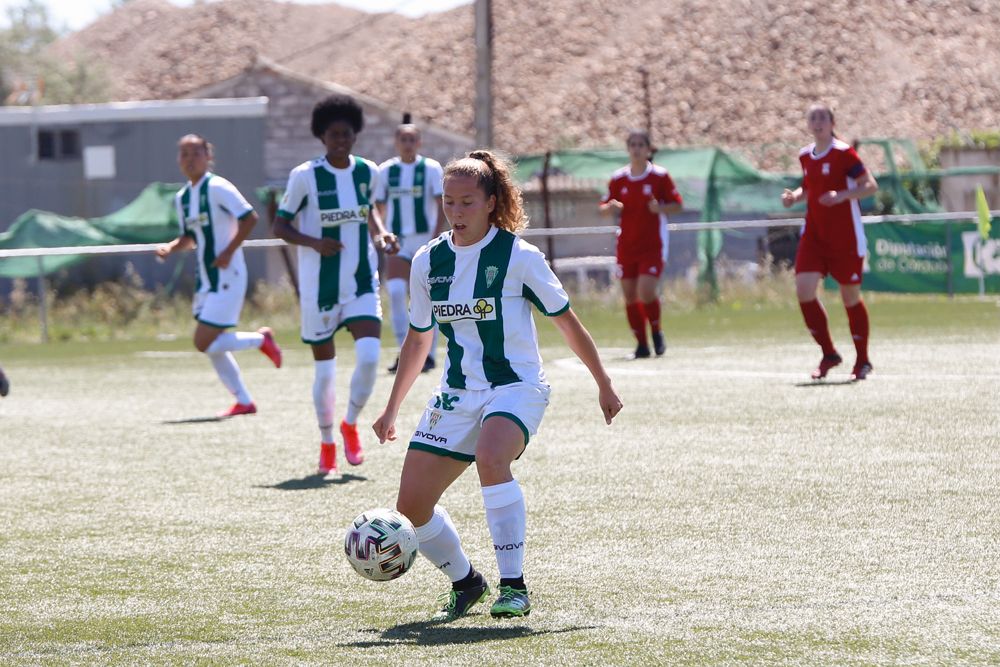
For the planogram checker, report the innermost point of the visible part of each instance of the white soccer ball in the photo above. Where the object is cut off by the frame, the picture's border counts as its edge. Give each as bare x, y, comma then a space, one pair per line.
381, 544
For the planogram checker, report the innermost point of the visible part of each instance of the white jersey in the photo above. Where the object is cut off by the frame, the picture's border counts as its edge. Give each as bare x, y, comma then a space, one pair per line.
410, 192
333, 203
209, 212
480, 296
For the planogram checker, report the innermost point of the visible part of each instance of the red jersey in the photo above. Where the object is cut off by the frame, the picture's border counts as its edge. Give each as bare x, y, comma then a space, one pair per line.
642, 232
838, 227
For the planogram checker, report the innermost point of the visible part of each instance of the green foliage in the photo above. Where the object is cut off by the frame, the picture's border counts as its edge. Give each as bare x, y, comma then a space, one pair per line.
27, 67
981, 139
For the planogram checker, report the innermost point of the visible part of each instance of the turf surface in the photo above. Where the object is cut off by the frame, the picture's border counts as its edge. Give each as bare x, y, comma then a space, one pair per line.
735, 512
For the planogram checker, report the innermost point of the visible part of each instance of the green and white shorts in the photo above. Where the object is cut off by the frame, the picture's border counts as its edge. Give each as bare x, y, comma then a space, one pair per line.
319, 325
222, 308
453, 418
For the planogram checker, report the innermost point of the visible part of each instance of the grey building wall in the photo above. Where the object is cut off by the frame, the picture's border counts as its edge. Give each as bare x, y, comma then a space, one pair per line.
145, 151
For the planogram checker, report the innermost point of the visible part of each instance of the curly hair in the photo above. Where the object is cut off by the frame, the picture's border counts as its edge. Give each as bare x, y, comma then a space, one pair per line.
336, 108
492, 172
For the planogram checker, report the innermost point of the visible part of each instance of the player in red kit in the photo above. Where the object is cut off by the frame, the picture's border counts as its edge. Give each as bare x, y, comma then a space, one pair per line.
644, 195
833, 181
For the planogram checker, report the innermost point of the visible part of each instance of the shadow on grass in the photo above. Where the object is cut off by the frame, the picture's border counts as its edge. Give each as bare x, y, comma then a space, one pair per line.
316, 481
194, 420
434, 633
825, 383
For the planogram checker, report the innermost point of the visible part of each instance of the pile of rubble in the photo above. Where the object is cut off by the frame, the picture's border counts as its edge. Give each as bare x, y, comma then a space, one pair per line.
567, 73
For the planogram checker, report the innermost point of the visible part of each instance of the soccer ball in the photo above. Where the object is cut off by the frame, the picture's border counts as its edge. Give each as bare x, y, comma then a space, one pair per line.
381, 544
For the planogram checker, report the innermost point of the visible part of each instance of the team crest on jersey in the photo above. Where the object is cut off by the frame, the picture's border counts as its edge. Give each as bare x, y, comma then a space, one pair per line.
624, 189
647, 189
491, 273
338, 216
478, 310
418, 178
826, 168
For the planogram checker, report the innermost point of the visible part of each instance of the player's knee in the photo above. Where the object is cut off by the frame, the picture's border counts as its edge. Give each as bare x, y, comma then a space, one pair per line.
418, 510
367, 352
493, 467
396, 287
201, 343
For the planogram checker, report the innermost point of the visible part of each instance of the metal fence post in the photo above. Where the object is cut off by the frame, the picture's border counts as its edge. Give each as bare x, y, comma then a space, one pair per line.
42, 311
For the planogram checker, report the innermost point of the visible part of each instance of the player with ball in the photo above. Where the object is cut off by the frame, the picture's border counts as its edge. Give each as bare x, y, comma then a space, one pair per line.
478, 282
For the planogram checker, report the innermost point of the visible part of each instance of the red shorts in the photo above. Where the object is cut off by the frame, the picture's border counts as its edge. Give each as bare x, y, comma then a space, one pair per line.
650, 264
845, 266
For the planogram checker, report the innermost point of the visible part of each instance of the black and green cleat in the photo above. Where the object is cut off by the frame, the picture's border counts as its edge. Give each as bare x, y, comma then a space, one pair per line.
458, 602
512, 602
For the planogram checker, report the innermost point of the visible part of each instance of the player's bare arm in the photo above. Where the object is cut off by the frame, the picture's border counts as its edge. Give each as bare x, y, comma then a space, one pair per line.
246, 225
582, 344
867, 186
179, 243
790, 198
412, 355
664, 208
383, 239
283, 229
610, 208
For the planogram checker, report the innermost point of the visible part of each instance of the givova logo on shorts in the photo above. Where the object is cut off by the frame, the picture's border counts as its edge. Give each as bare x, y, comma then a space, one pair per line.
479, 310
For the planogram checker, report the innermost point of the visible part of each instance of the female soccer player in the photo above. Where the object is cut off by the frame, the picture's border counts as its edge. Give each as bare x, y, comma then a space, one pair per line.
644, 195
215, 218
833, 180
409, 201
338, 233
478, 282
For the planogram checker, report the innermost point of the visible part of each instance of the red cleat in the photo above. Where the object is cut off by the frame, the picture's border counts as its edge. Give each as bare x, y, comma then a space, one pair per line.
327, 458
352, 444
861, 371
269, 348
239, 409
825, 364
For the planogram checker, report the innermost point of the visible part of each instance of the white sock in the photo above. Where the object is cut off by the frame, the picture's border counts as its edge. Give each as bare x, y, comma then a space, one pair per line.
434, 343
397, 288
324, 395
366, 351
505, 515
229, 372
438, 542
235, 341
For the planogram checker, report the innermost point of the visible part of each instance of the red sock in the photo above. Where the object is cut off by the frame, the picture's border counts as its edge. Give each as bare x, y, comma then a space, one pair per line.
857, 318
637, 321
815, 317
652, 310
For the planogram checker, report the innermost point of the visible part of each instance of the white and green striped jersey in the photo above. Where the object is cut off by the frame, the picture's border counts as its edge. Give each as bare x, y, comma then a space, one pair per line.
333, 203
209, 212
480, 296
410, 192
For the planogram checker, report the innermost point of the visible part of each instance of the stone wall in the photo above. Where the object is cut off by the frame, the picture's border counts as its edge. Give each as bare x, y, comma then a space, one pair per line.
958, 193
289, 140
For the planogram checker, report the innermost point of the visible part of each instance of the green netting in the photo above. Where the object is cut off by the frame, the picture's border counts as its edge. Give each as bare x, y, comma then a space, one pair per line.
721, 185
149, 218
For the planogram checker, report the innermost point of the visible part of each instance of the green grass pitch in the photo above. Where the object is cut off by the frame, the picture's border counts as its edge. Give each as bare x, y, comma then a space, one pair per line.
734, 513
